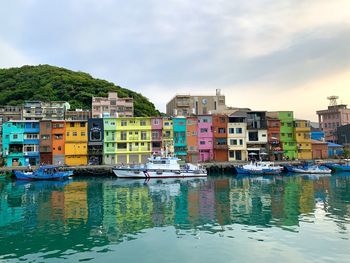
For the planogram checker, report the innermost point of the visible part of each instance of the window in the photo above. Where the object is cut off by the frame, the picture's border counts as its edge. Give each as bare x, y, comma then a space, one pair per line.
15, 136
75, 134
221, 130
82, 134
166, 123
123, 136
188, 133
232, 154
239, 130
203, 130
142, 123
155, 121
121, 145
253, 136
58, 136
202, 142
143, 135
231, 130
241, 141
113, 123
123, 123
45, 137
71, 124
67, 133
194, 133
59, 148
155, 135
82, 124
205, 120
57, 125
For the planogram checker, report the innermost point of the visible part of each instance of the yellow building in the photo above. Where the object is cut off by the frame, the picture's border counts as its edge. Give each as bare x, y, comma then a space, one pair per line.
303, 139
76, 150
168, 135
133, 140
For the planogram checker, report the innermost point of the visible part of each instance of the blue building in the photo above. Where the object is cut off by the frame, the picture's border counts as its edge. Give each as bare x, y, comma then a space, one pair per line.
317, 135
180, 144
21, 143
335, 150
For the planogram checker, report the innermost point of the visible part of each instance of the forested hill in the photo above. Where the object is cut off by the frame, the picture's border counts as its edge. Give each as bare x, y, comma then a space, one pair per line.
49, 83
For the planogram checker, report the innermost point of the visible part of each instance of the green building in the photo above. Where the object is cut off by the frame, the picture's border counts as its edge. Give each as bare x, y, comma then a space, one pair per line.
287, 133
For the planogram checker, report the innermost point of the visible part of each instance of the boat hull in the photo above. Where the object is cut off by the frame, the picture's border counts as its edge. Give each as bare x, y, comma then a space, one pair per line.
338, 168
136, 173
30, 176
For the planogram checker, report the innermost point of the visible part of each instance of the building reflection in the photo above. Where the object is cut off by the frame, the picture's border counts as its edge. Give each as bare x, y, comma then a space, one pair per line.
106, 210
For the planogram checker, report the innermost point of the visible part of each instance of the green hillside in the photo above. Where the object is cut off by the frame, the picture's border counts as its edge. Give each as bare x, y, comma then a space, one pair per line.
49, 83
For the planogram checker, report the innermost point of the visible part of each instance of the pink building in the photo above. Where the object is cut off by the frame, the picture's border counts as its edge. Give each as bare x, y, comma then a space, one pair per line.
205, 138
112, 106
157, 128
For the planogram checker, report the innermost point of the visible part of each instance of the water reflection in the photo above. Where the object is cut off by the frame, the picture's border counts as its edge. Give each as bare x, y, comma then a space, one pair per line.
80, 215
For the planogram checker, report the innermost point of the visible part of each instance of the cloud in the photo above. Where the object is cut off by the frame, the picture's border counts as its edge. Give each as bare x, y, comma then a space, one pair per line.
11, 57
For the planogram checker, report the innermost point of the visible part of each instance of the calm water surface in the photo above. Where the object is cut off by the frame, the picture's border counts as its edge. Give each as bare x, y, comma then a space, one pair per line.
218, 219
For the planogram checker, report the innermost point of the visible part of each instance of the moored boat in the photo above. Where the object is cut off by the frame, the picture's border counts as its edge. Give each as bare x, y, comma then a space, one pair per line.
259, 168
161, 167
47, 172
336, 167
310, 169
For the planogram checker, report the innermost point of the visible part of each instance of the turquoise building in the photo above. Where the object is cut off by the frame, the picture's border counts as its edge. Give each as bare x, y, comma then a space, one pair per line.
21, 143
180, 145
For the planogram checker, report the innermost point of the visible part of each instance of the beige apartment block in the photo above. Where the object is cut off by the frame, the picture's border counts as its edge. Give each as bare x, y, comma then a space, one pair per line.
112, 106
186, 105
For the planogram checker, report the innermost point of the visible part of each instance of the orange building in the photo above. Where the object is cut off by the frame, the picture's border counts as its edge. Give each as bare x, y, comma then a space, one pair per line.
58, 141
319, 149
220, 123
192, 139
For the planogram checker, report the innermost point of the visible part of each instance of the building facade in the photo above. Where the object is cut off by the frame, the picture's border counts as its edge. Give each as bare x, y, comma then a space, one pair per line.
303, 139
220, 148
76, 143
45, 142
185, 105
95, 141
343, 135
110, 141
257, 145
112, 106
133, 140
236, 136
274, 137
156, 135
332, 118
205, 138
288, 142
180, 144
319, 149
38, 110
58, 142
192, 139
77, 115
168, 136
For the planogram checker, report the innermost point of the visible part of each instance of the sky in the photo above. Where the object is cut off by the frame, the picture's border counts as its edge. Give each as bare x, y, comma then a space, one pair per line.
262, 54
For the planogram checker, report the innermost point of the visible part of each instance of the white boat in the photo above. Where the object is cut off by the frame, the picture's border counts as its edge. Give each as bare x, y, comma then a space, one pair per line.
161, 167
313, 169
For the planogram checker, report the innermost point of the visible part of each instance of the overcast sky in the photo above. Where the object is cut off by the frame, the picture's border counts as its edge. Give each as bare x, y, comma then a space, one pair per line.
262, 54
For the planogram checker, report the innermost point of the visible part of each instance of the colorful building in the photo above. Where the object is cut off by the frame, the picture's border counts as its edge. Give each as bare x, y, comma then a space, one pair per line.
288, 142
236, 136
319, 149
274, 137
31, 143
58, 142
192, 139
180, 144
109, 142
205, 138
12, 142
156, 132
303, 139
45, 142
76, 143
133, 140
220, 152
95, 141
168, 136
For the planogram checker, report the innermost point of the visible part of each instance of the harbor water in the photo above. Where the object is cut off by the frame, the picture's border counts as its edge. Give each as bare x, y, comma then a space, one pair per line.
224, 218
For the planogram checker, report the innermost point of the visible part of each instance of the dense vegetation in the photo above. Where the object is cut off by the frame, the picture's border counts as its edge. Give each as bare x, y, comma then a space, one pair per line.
49, 83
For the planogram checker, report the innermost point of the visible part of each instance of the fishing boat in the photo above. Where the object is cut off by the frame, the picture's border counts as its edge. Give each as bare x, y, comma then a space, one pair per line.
259, 168
47, 172
339, 167
308, 169
161, 167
